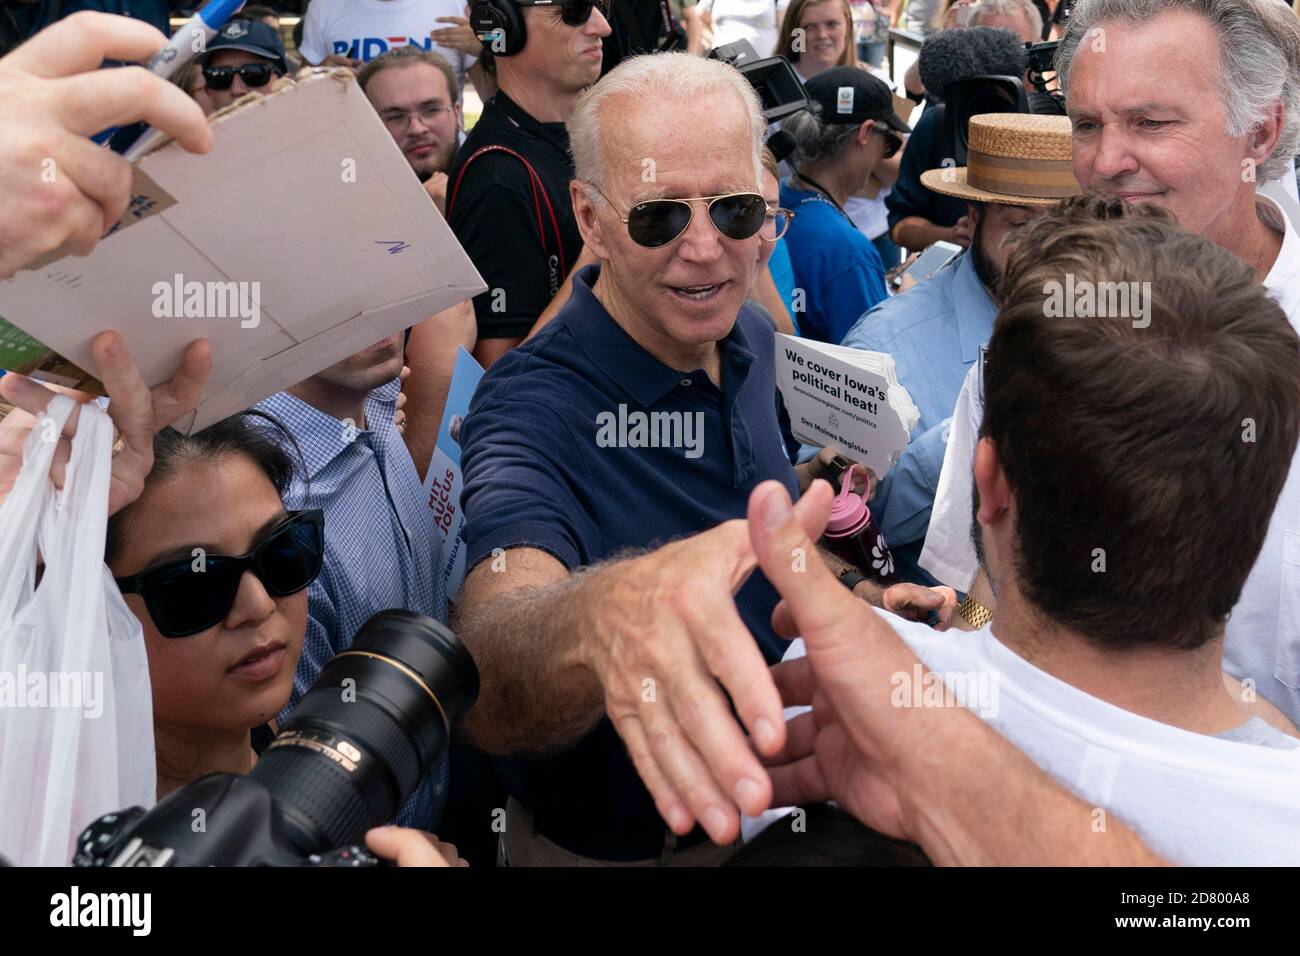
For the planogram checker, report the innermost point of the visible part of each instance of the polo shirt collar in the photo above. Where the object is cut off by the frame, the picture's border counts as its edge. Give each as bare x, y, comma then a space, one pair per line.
515, 116
626, 362
973, 307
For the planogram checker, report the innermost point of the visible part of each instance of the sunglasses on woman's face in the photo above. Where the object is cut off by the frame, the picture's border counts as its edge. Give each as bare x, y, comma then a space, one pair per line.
657, 222
574, 13
190, 595
893, 142
220, 78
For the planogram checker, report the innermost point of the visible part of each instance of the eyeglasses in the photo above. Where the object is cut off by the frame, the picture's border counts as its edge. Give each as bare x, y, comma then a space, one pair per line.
776, 222
893, 142
657, 222
187, 595
572, 12
220, 78
398, 120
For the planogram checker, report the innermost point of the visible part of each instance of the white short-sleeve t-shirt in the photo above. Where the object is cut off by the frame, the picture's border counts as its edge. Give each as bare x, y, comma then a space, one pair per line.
1196, 799
1263, 632
363, 29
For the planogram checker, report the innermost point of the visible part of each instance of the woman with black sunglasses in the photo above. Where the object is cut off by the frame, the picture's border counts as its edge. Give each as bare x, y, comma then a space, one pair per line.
217, 570
222, 644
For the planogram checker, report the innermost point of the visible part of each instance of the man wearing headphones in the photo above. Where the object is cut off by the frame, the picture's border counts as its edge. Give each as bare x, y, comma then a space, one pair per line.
508, 187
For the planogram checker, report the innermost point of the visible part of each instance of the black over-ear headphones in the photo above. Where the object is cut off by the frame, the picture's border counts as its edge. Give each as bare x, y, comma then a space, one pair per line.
499, 26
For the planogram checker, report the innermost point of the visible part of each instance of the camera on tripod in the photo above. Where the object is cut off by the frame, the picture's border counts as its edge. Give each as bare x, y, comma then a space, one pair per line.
374, 725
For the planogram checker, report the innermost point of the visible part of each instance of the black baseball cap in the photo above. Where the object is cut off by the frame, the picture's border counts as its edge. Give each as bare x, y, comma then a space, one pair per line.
851, 95
251, 36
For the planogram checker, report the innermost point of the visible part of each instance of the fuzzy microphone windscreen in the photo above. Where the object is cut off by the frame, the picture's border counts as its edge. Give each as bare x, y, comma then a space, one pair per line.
975, 51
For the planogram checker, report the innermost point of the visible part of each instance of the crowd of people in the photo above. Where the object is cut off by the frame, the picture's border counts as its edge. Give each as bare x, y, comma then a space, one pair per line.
1106, 498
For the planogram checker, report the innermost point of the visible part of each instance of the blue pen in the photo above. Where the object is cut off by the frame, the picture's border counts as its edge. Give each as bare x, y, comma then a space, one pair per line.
192, 39
186, 43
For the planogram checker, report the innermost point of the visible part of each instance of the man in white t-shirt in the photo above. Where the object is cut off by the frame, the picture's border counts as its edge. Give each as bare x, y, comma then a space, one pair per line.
352, 32
1152, 125
1104, 664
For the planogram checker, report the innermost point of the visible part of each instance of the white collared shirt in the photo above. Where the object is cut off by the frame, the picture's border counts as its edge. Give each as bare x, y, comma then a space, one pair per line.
1263, 633
1224, 799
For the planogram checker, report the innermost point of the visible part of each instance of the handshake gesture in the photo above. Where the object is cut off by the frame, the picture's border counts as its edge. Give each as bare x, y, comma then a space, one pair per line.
666, 620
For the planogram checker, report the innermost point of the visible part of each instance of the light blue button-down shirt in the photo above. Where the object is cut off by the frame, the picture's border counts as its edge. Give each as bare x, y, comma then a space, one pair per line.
934, 332
381, 551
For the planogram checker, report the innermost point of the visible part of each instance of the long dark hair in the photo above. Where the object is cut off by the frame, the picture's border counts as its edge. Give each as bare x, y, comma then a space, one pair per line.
266, 443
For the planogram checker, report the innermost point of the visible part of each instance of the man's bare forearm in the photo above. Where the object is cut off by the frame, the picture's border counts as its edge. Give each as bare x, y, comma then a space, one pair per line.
1006, 811
916, 233
536, 693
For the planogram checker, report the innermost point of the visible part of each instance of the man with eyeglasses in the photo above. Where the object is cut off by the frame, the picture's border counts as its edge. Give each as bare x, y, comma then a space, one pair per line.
245, 56
508, 192
416, 95
836, 266
597, 456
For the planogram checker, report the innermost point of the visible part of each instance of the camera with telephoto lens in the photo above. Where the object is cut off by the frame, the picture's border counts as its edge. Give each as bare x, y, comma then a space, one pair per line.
373, 726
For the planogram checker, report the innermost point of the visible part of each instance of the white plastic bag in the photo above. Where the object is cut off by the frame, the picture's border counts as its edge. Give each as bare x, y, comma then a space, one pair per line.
76, 711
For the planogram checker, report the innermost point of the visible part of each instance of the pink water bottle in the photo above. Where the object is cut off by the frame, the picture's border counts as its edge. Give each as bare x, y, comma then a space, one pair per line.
853, 535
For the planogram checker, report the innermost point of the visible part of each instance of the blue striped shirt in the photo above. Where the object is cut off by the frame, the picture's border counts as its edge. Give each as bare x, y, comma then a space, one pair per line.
381, 549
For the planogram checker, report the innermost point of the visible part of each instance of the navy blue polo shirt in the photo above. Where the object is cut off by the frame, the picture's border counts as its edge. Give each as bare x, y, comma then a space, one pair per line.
549, 463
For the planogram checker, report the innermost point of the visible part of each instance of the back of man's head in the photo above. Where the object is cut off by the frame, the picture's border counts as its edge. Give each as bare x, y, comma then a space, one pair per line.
1020, 16
1144, 450
1259, 47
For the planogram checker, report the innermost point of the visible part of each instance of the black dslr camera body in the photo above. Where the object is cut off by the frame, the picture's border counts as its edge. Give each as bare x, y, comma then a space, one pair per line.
371, 728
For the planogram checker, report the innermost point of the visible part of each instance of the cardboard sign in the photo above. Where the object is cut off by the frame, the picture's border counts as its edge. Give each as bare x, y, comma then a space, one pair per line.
301, 239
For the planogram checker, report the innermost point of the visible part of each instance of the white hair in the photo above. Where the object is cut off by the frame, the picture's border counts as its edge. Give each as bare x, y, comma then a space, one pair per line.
1259, 59
691, 81
1007, 8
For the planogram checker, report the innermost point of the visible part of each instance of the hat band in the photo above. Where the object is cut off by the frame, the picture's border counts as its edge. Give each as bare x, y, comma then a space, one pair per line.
1035, 178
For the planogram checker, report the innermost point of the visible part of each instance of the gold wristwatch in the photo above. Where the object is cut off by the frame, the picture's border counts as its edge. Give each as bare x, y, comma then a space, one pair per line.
974, 613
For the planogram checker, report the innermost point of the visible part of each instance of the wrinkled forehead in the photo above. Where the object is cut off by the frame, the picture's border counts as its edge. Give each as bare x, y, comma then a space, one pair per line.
665, 149
1174, 59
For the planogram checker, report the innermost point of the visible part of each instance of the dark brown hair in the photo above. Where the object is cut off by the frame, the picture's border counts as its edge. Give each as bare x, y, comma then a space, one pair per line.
1165, 446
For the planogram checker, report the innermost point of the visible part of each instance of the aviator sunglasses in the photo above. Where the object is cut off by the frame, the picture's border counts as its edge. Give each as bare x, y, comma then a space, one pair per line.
657, 222
187, 595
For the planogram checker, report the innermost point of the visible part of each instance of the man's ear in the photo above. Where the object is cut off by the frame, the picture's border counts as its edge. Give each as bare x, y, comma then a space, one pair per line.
585, 211
863, 136
975, 211
1265, 136
991, 482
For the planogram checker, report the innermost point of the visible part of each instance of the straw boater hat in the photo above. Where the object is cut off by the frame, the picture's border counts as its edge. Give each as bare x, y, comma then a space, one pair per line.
1017, 159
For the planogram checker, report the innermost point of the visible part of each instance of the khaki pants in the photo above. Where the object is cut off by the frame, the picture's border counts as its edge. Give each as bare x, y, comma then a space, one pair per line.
522, 845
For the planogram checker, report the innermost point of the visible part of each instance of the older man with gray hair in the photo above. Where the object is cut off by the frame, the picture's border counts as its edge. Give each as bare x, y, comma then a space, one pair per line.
1186, 104
614, 632
1021, 17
